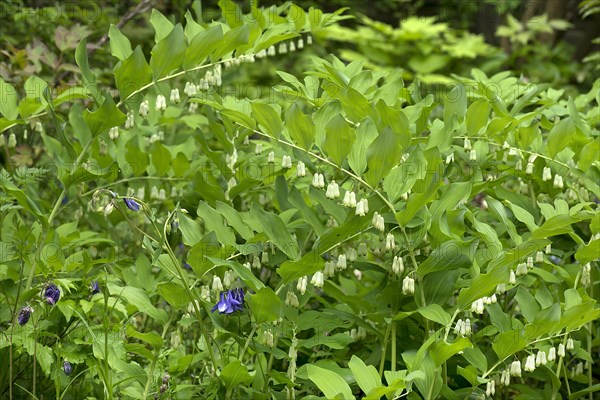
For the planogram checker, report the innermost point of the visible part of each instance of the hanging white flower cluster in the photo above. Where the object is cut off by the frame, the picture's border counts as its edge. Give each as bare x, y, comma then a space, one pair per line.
490, 388
529, 363
161, 103
541, 358
408, 285
211, 78
512, 278
362, 249
546, 174
190, 89
302, 282
505, 377
231, 159
228, 278
586, 272
552, 354
217, 285
521, 269
341, 262
144, 108
467, 144
398, 265
318, 181
478, 306
390, 243
358, 334
333, 190
515, 368
282, 49
463, 328
271, 157
300, 169
472, 155
259, 148
349, 199
329, 269
558, 182
291, 300
450, 158
378, 222
561, 350
317, 279
362, 207
130, 121
286, 162
113, 134
175, 98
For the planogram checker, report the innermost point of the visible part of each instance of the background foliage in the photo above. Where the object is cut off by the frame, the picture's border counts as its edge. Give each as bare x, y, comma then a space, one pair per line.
369, 197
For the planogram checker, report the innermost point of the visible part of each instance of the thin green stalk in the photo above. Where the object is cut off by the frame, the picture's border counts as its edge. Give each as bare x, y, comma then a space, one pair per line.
393, 346
248, 342
384, 349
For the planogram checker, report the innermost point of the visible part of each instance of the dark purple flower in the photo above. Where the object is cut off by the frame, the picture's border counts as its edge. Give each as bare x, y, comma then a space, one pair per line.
24, 315
231, 301
67, 368
187, 266
95, 287
64, 201
52, 294
131, 204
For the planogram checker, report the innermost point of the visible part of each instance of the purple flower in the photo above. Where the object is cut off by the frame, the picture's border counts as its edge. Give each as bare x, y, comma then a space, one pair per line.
95, 287
67, 368
231, 301
131, 204
187, 266
52, 294
24, 315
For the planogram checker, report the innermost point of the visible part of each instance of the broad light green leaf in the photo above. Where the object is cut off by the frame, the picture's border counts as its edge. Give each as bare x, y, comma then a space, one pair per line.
330, 383
477, 116
120, 46
174, 294
301, 128
202, 46
384, 153
310, 263
276, 231
455, 103
233, 39
138, 298
268, 118
168, 54
213, 221
366, 376
132, 74
265, 305
365, 134
339, 138
235, 374
560, 136
104, 118
442, 351
8, 102
162, 25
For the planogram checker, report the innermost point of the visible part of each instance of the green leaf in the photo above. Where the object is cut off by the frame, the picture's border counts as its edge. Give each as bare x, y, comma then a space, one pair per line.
367, 377
508, 343
365, 134
104, 118
168, 54
235, 374
384, 153
265, 305
455, 103
89, 79
339, 138
120, 46
442, 351
8, 102
213, 222
132, 74
162, 25
268, 118
477, 116
523, 215
152, 338
233, 39
174, 294
330, 383
300, 127
310, 263
190, 229
139, 299
202, 46
276, 231
560, 136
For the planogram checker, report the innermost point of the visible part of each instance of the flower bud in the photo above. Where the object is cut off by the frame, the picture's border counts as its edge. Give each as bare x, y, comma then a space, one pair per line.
333, 190
515, 368
300, 169
398, 265
378, 222
286, 162
570, 344
341, 262
530, 363
217, 286
301, 287
317, 279
561, 350
540, 358
161, 103
408, 285
291, 300
175, 96
390, 243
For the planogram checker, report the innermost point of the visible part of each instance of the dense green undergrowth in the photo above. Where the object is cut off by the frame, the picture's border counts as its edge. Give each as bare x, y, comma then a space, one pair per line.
184, 233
